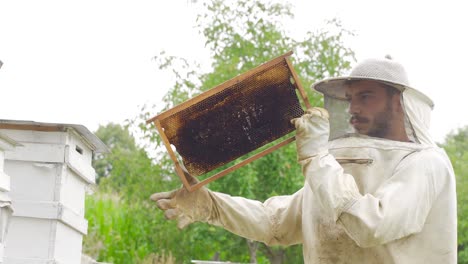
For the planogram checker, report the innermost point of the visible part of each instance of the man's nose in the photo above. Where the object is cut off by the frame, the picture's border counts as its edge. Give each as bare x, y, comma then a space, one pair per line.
353, 108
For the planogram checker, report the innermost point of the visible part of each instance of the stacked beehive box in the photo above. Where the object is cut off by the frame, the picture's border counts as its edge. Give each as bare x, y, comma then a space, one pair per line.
6, 144
50, 173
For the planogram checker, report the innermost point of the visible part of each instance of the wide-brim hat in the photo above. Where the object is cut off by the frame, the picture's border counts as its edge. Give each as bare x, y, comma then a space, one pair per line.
386, 71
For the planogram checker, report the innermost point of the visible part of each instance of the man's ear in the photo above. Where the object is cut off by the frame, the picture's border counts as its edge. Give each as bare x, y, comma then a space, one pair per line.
397, 101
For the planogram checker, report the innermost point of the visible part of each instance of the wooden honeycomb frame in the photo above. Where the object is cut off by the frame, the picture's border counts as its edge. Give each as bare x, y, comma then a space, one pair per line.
269, 88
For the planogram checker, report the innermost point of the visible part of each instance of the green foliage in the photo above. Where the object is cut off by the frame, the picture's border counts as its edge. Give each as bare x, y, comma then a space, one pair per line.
126, 232
127, 169
111, 232
456, 146
242, 35
239, 39
248, 35
124, 226
122, 231
115, 137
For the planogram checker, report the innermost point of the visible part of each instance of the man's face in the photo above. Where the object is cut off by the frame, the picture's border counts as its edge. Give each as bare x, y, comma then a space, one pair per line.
371, 108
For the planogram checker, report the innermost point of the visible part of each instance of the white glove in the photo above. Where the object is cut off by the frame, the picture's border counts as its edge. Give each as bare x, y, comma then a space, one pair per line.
312, 133
184, 206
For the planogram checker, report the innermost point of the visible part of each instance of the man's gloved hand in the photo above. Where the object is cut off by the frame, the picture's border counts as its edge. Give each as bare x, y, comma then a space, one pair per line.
312, 132
184, 206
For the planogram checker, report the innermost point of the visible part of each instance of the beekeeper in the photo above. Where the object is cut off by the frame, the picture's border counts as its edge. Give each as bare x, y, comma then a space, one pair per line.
377, 188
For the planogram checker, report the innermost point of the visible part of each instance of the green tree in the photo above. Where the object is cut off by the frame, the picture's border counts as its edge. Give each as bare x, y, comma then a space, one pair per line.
456, 146
123, 225
241, 36
116, 138
127, 169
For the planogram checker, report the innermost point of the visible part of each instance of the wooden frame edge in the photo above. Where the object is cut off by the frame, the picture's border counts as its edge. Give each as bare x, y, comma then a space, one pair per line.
166, 142
179, 170
221, 86
302, 92
240, 164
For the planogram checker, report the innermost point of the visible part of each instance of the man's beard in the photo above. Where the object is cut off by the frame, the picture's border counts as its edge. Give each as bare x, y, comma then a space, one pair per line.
382, 122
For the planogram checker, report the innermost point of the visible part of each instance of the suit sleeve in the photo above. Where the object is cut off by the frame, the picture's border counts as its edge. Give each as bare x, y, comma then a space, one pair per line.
277, 221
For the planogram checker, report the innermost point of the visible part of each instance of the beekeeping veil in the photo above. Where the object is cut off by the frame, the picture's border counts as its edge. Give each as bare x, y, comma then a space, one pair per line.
416, 105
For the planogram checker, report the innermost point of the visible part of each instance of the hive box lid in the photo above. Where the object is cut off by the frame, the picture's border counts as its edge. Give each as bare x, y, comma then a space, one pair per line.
92, 140
7, 143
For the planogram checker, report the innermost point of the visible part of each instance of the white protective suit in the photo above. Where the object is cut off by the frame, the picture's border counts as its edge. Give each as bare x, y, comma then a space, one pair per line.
364, 200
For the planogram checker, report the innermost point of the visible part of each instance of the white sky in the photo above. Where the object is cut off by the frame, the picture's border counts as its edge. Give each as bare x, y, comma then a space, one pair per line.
89, 62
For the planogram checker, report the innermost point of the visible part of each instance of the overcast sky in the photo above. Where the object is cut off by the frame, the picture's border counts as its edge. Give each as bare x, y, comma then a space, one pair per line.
89, 62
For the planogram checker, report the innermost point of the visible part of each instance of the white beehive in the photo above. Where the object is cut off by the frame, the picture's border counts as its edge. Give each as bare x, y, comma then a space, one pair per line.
6, 144
50, 173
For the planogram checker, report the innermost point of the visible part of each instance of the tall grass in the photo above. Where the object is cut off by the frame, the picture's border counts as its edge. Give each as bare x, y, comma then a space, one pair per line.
120, 232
